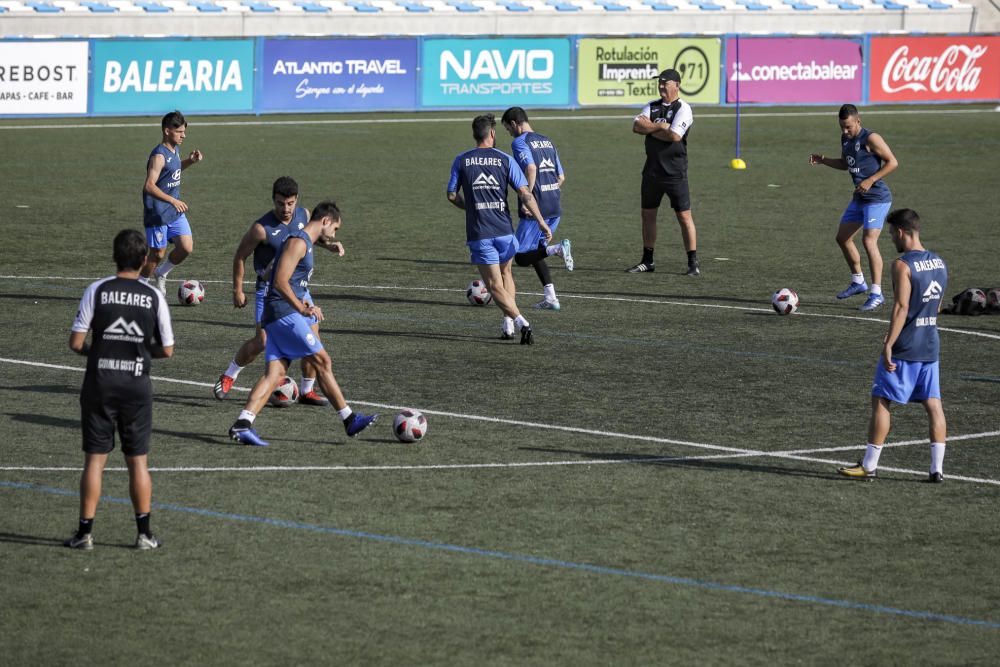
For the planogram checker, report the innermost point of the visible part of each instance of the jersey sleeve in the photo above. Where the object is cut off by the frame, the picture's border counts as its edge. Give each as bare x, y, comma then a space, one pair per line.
166, 330
521, 152
559, 167
683, 120
453, 180
645, 113
85, 313
516, 176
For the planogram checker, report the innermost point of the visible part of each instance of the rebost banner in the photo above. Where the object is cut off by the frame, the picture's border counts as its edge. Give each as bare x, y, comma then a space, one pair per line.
495, 72
932, 69
623, 71
43, 78
338, 75
145, 76
794, 70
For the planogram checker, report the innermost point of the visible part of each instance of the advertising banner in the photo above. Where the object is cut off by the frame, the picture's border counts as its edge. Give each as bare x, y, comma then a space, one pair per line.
43, 78
932, 69
495, 72
159, 76
338, 75
794, 70
622, 71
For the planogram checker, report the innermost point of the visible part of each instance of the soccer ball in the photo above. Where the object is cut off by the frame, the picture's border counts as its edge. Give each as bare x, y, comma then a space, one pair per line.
191, 293
993, 299
477, 293
286, 394
785, 301
409, 426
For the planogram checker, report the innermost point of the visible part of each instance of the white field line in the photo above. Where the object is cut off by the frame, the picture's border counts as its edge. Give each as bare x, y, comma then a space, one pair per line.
464, 119
731, 452
568, 295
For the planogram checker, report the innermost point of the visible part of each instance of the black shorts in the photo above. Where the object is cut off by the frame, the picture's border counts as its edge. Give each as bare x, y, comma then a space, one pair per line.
132, 420
654, 187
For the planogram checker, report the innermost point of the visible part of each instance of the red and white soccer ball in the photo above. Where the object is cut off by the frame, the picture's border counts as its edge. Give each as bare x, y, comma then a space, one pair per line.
409, 426
191, 293
993, 300
477, 293
785, 301
286, 394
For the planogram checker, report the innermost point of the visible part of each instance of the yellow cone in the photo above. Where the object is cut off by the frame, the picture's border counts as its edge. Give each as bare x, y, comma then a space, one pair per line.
737, 163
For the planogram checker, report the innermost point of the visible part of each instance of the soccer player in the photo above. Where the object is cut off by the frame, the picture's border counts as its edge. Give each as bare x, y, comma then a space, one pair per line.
907, 371
163, 212
537, 156
288, 320
130, 322
263, 240
484, 174
665, 124
866, 156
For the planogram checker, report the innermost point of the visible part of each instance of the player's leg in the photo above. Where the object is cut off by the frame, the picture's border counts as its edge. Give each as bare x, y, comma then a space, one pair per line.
494, 279
308, 394
242, 430
354, 422
879, 423
178, 233
97, 422
651, 194
850, 223
690, 236
135, 427
245, 355
156, 240
938, 431
874, 219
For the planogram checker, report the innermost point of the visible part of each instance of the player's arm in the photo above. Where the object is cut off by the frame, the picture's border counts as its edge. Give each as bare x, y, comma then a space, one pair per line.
833, 162
457, 198
78, 343
195, 157
81, 323
153, 169
455, 195
253, 237
531, 206
294, 251
901, 289
881, 150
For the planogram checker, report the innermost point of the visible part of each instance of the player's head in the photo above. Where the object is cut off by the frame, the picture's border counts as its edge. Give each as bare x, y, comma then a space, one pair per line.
850, 120
669, 83
174, 127
285, 195
327, 215
483, 129
130, 250
512, 120
903, 223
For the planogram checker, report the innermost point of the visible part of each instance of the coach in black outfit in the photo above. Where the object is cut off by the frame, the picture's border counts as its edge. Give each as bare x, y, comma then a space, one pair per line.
131, 324
665, 123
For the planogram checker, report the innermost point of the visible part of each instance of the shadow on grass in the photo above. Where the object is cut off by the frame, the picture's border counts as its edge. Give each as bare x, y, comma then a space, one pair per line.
710, 298
34, 540
39, 297
74, 424
411, 260
75, 391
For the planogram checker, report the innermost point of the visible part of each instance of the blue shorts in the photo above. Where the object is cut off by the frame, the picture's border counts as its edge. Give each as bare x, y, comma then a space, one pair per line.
291, 338
529, 235
872, 216
258, 305
493, 251
911, 382
160, 235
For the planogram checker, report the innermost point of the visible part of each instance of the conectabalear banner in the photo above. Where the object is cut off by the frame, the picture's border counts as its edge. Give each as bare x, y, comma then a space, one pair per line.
932, 69
793, 70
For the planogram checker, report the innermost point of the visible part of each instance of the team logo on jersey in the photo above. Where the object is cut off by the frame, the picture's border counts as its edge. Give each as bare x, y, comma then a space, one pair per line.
275, 232
546, 165
159, 237
484, 180
850, 160
857, 146
932, 292
310, 339
123, 330
176, 175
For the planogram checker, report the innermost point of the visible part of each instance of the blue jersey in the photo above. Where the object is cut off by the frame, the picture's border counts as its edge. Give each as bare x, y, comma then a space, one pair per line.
275, 306
484, 175
156, 212
277, 232
861, 164
919, 340
533, 148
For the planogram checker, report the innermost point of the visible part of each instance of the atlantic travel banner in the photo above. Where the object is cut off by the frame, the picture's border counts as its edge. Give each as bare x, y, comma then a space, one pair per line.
934, 69
338, 74
43, 78
794, 70
622, 71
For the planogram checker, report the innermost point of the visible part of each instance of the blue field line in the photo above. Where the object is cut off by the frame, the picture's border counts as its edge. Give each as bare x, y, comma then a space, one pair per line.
531, 560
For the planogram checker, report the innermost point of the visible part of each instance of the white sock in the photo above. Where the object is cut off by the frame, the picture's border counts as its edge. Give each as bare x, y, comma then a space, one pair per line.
858, 278
550, 292
870, 462
937, 457
876, 289
507, 325
246, 414
345, 413
554, 250
164, 267
307, 384
520, 322
234, 369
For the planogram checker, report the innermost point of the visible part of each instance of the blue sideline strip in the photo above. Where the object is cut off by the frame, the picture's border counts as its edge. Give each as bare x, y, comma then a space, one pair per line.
522, 558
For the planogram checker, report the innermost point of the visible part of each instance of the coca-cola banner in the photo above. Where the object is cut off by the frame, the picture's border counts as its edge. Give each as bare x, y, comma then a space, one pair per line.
796, 70
931, 69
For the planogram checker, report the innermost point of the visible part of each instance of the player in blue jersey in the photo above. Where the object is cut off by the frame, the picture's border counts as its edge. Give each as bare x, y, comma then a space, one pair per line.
868, 159
164, 215
478, 185
263, 240
907, 371
537, 156
288, 321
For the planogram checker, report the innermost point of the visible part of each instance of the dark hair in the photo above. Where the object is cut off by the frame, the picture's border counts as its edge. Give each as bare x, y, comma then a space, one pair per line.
173, 120
130, 249
325, 208
481, 126
515, 115
285, 186
905, 219
847, 111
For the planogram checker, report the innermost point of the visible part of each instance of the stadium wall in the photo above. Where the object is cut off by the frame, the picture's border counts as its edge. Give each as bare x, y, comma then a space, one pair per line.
106, 77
